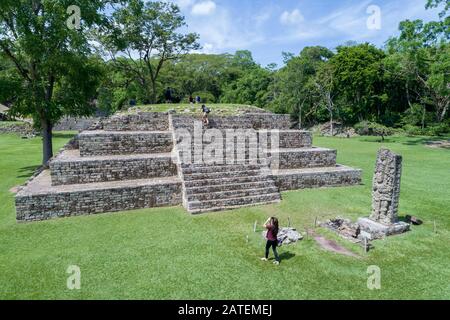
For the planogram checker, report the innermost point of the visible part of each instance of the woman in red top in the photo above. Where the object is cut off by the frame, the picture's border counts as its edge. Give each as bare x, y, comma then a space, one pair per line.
272, 232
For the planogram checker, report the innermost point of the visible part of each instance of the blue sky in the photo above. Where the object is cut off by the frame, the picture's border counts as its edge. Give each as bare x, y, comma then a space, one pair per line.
269, 27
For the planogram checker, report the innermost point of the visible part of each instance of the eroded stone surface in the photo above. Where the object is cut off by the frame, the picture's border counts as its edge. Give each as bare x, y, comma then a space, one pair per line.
386, 187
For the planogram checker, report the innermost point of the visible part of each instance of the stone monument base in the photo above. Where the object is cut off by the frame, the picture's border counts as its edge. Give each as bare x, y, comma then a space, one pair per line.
378, 230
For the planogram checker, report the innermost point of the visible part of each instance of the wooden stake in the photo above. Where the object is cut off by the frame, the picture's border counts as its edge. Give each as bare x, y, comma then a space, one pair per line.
315, 222
254, 226
365, 245
289, 222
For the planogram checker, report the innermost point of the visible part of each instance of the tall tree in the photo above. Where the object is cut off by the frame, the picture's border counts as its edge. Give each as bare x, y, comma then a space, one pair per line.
324, 82
358, 77
293, 86
147, 34
51, 56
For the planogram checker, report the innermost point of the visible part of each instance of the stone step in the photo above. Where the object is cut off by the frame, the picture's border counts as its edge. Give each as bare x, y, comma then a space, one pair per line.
69, 168
286, 138
224, 145
248, 121
144, 121
233, 202
336, 176
221, 175
302, 158
195, 163
224, 181
99, 143
220, 168
227, 187
231, 194
39, 200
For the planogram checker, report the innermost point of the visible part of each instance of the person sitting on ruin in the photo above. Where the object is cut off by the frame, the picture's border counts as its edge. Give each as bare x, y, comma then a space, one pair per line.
206, 111
272, 241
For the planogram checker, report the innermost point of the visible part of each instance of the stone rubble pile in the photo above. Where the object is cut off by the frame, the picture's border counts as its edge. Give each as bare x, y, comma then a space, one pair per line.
286, 236
289, 235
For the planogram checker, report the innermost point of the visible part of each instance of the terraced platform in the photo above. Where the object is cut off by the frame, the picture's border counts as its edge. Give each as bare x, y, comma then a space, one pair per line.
40, 200
145, 160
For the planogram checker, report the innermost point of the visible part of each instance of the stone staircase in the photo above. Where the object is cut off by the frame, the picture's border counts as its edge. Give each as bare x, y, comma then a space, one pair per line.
221, 187
144, 160
251, 171
238, 177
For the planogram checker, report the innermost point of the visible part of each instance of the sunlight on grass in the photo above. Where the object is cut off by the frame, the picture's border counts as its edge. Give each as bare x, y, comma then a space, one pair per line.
164, 253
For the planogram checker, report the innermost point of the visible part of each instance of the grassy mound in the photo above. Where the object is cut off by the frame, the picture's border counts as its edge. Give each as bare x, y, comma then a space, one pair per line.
188, 109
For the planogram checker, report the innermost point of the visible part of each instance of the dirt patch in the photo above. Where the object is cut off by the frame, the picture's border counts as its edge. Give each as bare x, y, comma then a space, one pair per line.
444, 144
14, 189
332, 246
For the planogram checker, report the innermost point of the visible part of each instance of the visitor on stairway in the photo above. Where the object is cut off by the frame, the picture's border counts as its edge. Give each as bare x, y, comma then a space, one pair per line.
272, 241
206, 111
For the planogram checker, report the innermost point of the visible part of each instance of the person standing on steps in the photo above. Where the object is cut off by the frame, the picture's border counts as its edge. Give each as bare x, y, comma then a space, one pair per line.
272, 241
206, 111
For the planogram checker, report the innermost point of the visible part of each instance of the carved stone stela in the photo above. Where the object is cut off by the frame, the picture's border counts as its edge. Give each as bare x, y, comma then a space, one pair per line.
386, 187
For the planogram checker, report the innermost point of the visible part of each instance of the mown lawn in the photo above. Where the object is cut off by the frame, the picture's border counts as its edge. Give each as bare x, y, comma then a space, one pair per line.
168, 254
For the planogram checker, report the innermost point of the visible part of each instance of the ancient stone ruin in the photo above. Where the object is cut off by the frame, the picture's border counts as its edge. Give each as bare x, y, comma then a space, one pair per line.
148, 159
385, 197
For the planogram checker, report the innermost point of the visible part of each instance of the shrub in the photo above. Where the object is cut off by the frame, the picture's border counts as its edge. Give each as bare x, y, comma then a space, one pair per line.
206, 97
367, 128
431, 130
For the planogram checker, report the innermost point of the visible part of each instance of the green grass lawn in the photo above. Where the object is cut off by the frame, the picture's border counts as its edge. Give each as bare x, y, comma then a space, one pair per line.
168, 254
222, 109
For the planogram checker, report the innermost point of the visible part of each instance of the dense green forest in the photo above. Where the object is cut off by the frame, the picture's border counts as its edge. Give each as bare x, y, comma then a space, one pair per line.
137, 53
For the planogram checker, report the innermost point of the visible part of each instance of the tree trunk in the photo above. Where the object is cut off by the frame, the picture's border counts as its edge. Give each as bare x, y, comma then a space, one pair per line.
154, 94
47, 141
331, 123
424, 112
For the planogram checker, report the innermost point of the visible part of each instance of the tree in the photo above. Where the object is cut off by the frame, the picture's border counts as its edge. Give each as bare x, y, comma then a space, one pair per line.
421, 57
324, 82
293, 87
358, 78
147, 34
51, 58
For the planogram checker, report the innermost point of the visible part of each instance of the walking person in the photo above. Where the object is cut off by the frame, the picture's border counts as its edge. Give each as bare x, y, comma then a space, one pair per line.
206, 111
198, 99
272, 232
191, 100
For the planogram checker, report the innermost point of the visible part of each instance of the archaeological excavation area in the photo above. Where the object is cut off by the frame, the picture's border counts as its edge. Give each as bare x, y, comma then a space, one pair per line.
143, 160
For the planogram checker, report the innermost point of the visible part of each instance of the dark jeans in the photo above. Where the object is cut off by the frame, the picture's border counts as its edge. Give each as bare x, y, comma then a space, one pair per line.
274, 245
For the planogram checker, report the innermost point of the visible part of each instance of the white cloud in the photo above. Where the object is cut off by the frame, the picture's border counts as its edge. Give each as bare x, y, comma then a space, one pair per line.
184, 3
204, 8
294, 17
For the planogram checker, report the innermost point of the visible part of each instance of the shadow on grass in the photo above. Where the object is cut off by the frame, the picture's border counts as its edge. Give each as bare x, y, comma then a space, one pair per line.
424, 140
378, 140
286, 255
27, 172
